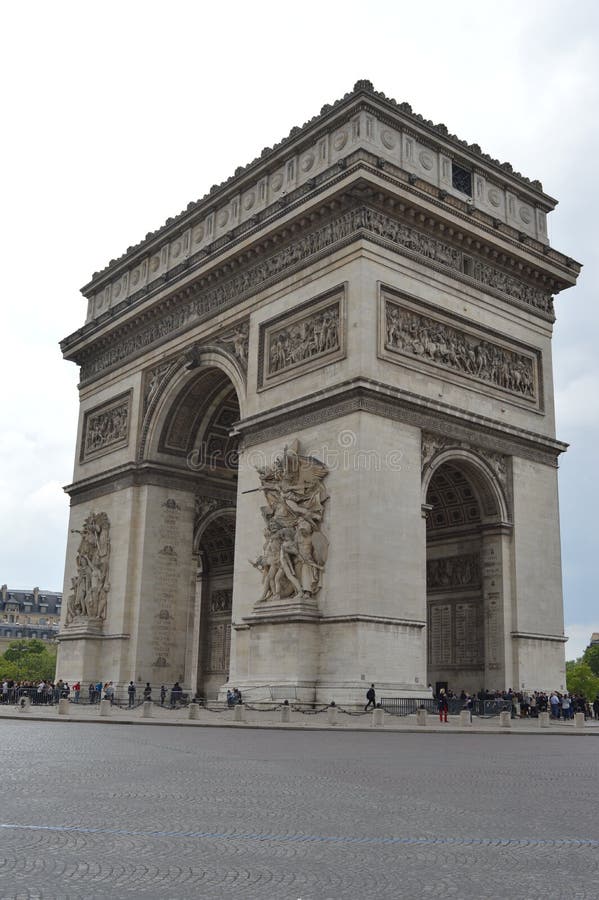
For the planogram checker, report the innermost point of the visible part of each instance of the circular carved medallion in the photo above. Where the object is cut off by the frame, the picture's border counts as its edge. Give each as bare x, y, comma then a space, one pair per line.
249, 200
222, 218
388, 139
154, 263
494, 198
426, 160
276, 182
340, 140
198, 234
307, 162
526, 215
135, 278
176, 250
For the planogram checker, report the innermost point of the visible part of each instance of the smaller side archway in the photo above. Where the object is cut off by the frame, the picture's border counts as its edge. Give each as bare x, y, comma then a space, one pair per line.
467, 573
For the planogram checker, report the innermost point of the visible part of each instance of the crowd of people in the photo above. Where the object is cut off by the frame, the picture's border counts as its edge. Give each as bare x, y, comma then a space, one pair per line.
528, 704
47, 693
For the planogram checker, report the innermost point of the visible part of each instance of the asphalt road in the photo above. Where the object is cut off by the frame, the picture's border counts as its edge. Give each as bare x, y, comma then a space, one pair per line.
103, 811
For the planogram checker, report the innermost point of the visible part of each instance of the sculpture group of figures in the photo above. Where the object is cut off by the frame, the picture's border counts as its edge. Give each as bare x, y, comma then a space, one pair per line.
106, 428
295, 549
407, 332
453, 571
307, 338
90, 585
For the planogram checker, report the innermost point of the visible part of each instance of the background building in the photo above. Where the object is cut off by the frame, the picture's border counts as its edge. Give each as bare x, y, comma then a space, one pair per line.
28, 614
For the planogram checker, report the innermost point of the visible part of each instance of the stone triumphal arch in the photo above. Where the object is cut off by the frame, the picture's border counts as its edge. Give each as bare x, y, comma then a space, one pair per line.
316, 444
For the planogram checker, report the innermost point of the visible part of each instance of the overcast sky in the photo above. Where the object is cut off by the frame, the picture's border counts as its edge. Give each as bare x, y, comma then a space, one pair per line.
117, 114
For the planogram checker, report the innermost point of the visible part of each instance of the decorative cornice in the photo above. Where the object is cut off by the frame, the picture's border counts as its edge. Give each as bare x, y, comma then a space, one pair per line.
370, 396
199, 302
521, 635
364, 93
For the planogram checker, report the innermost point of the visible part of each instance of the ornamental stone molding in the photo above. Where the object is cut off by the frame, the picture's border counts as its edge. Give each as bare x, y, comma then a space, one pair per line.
364, 120
195, 304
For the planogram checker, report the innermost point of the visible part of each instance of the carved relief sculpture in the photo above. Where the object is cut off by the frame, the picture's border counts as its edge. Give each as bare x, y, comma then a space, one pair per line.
106, 427
295, 548
238, 340
90, 586
453, 572
430, 340
311, 336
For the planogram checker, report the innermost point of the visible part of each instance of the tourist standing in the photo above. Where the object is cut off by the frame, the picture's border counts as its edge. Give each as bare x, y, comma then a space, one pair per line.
162, 694
443, 706
131, 693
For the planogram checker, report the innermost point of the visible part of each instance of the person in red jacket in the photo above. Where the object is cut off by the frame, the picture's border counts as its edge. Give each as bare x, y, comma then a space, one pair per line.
443, 705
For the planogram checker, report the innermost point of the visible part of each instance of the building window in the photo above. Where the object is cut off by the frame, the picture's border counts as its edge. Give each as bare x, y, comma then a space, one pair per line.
461, 179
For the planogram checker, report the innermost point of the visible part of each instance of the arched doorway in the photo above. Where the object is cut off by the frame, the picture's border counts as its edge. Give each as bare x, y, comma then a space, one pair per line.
214, 601
466, 576
192, 440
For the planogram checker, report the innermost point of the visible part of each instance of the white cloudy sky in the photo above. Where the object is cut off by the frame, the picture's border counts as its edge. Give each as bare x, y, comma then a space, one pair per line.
117, 114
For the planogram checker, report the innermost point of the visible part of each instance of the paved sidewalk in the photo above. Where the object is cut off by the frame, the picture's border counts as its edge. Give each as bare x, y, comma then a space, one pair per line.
308, 720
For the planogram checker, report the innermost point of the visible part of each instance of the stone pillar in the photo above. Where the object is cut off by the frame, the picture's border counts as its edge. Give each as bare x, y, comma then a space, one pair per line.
378, 717
147, 709
543, 720
579, 720
24, 704
239, 713
104, 707
285, 714
64, 707
465, 718
505, 720
421, 717
496, 572
194, 711
332, 715
364, 624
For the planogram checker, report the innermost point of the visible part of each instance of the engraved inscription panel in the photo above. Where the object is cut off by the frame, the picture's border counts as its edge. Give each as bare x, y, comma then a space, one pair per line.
465, 352
106, 427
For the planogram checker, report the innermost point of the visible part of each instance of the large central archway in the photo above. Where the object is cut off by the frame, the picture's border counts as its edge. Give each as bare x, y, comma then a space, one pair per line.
191, 437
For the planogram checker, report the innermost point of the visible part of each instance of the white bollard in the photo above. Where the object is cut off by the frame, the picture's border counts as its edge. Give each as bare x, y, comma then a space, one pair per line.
104, 707
543, 720
465, 718
147, 709
378, 717
421, 717
578, 720
505, 720
332, 715
24, 704
239, 713
64, 707
194, 711
285, 713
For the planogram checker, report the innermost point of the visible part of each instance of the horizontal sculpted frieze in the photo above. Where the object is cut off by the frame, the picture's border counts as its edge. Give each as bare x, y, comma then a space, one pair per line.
201, 302
453, 572
430, 340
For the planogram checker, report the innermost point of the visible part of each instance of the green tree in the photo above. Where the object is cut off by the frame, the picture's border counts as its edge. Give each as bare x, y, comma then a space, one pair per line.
28, 660
580, 679
591, 657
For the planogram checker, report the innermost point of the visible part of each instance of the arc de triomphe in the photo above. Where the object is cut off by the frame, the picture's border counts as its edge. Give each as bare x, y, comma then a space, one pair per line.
316, 443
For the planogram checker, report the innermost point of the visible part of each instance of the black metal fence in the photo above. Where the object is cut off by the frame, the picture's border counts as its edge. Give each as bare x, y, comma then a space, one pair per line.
407, 706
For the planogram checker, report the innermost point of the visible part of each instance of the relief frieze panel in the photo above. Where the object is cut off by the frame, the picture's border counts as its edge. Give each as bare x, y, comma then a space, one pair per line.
293, 344
197, 303
429, 339
453, 572
106, 427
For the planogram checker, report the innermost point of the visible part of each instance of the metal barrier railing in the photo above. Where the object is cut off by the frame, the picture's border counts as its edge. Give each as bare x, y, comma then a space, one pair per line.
407, 706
